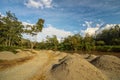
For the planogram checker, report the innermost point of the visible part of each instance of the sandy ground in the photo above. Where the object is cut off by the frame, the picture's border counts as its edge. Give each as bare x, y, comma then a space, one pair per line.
55, 65
6, 55
109, 65
32, 69
26, 70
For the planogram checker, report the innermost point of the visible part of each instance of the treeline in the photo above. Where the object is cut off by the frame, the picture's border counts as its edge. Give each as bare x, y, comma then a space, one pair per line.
106, 40
11, 30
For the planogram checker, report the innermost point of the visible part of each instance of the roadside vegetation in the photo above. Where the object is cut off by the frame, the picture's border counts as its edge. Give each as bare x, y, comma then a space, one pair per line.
11, 30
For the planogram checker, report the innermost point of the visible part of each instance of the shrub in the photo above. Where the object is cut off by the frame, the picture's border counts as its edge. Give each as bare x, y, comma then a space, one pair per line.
9, 48
108, 48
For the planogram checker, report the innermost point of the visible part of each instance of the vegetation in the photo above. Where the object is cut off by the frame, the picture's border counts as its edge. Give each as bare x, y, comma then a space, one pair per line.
33, 30
108, 41
11, 30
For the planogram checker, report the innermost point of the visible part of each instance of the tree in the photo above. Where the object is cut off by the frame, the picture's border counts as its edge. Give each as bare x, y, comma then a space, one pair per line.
52, 42
88, 43
10, 29
100, 43
110, 36
33, 30
72, 43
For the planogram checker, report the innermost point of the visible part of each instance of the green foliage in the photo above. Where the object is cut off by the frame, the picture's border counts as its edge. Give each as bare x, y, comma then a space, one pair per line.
88, 43
100, 43
110, 36
10, 29
50, 43
33, 30
108, 48
71, 43
9, 48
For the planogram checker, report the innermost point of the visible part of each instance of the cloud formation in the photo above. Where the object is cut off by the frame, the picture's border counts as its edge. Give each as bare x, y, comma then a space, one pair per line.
88, 23
39, 4
90, 28
49, 31
107, 26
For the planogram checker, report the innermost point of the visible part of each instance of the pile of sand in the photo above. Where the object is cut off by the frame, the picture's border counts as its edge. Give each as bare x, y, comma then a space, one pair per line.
109, 65
74, 67
89, 57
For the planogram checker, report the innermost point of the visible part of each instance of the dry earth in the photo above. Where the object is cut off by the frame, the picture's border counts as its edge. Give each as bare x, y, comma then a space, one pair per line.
50, 65
109, 65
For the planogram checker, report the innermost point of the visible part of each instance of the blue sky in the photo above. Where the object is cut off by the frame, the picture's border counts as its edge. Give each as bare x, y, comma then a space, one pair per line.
66, 15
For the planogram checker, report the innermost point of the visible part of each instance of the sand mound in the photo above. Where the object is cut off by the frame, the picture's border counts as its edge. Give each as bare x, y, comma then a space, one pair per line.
74, 67
89, 57
107, 62
110, 65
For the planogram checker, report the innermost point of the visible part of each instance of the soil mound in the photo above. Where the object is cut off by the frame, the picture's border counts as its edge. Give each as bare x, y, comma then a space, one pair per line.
74, 67
109, 65
107, 62
89, 57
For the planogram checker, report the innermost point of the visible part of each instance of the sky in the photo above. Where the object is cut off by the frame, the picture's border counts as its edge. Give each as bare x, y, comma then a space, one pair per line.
65, 17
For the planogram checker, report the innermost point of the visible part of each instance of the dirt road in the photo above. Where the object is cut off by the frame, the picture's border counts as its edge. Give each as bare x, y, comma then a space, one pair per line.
26, 70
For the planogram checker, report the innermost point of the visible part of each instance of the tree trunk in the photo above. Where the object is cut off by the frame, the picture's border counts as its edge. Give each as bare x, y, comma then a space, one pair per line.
9, 42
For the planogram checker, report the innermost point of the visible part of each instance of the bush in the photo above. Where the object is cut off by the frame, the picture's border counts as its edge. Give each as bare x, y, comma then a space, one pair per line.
100, 43
108, 48
9, 48
116, 49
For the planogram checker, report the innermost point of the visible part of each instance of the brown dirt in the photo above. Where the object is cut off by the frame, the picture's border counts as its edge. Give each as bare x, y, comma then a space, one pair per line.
89, 57
55, 65
10, 63
74, 67
27, 70
6, 55
109, 65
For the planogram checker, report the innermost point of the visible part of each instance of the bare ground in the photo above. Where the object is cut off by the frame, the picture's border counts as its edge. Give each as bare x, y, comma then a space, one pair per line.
49, 65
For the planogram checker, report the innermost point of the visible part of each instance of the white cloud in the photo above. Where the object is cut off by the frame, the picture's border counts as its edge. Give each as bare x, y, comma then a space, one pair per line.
39, 4
90, 30
107, 26
50, 31
2, 15
87, 23
97, 29
26, 23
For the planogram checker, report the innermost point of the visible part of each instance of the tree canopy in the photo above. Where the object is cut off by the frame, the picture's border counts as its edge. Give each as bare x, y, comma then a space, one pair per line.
10, 29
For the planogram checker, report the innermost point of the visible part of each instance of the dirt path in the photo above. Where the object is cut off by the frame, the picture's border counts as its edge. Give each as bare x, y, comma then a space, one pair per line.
26, 70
